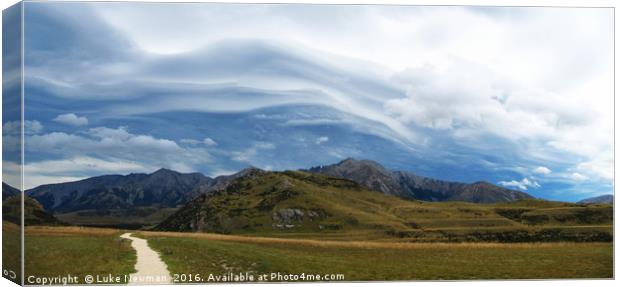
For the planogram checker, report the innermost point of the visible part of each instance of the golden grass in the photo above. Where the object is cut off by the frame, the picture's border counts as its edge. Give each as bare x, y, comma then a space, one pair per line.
352, 244
69, 230
10, 226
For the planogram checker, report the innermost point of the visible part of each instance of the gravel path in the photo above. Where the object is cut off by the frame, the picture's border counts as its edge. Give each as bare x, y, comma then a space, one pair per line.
151, 270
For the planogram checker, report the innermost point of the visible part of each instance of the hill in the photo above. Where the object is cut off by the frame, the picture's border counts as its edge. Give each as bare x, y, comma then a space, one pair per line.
408, 185
603, 199
34, 214
296, 203
8, 191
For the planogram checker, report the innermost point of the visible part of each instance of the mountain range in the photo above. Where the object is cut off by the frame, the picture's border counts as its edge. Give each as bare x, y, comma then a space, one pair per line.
167, 188
146, 199
408, 185
163, 188
350, 197
603, 199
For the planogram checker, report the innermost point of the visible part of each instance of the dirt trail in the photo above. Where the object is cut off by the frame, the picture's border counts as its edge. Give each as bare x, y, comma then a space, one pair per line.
150, 268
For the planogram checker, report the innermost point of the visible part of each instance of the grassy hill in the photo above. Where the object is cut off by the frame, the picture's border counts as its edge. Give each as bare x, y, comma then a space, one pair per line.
300, 204
34, 214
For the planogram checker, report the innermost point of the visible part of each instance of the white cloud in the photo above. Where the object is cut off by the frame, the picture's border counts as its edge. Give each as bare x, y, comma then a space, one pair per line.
598, 168
14, 127
102, 150
542, 170
250, 153
71, 119
209, 142
322, 139
471, 103
523, 184
577, 176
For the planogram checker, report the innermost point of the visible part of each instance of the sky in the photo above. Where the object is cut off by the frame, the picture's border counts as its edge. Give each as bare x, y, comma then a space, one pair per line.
519, 97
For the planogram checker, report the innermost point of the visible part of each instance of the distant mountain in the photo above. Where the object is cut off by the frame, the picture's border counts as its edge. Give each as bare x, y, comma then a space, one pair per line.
408, 185
603, 199
8, 191
140, 200
126, 201
164, 188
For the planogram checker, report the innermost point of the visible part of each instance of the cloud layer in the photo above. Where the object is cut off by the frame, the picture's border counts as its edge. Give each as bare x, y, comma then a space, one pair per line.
490, 94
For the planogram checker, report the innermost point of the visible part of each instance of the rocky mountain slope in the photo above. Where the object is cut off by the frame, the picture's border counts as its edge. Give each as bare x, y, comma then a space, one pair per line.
408, 185
165, 188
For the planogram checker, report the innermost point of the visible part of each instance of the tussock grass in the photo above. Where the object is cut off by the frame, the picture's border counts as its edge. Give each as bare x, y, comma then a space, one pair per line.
365, 261
352, 244
77, 251
70, 231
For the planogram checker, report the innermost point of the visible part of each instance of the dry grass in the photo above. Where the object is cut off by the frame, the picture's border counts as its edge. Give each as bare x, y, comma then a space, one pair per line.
59, 251
195, 254
350, 244
9, 226
69, 230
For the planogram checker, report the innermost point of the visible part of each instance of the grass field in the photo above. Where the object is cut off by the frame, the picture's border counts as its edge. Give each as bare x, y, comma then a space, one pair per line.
357, 260
54, 251
11, 246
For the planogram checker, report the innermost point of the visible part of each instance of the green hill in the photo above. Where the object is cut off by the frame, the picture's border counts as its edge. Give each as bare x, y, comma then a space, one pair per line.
300, 204
34, 214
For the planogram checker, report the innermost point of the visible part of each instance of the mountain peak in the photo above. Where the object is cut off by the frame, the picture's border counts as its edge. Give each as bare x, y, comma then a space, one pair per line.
250, 170
347, 160
367, 164
164, 171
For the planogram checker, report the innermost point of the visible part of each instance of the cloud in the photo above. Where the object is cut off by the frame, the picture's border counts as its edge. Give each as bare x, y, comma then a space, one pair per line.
493, 85
523, 184
472, 103
75, 168
71, 119
14, 127
128, 151
209, 142
322, 139
248, 155
542, 170
577, 176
